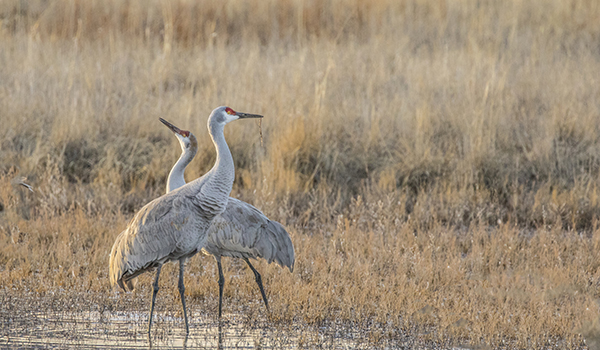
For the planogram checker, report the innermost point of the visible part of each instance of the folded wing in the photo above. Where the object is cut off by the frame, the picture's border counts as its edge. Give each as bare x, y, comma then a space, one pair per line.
152, 237
243, 231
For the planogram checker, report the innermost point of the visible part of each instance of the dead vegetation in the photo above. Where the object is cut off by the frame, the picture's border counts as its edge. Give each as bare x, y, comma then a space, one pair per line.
437, 163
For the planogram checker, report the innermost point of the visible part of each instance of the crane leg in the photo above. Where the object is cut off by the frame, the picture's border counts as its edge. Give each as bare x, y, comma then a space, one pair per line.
258, 280
154, 292
181, 292
221, 284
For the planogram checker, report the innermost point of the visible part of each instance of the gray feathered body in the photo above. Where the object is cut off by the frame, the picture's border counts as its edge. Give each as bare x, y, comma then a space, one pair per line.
171, 227
174, 226
242, 231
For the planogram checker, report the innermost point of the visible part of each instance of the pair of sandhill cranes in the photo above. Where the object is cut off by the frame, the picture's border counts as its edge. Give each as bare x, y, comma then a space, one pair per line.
198, 215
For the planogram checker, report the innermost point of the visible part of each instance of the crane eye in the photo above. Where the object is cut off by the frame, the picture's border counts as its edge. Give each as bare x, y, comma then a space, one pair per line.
229, 111
185, 133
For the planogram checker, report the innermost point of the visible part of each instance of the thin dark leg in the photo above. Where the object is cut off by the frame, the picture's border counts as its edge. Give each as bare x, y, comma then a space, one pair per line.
181, 291
258, 280
221, 284
154, 292
220, 344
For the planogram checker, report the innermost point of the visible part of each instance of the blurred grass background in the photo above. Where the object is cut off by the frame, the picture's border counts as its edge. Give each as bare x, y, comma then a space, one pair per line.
436, 162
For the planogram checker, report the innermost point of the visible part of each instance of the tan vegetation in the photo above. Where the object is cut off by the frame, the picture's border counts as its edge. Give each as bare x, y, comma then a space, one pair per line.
437, 163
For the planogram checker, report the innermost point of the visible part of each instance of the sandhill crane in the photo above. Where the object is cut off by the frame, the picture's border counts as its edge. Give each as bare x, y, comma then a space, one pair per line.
242, 231
174, 226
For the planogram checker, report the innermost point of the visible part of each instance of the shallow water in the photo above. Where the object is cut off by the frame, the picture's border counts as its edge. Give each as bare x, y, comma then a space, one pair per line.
120, 330
58, 320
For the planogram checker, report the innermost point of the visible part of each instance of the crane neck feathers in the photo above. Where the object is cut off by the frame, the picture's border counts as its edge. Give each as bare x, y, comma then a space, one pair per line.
176, 176
224, 169
213, 188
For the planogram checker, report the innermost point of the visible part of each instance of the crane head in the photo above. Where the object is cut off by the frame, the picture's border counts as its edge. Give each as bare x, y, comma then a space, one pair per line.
223, 115
186, 138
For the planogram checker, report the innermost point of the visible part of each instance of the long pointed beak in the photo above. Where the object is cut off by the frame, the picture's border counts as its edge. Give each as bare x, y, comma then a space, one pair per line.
170, 126
247, 115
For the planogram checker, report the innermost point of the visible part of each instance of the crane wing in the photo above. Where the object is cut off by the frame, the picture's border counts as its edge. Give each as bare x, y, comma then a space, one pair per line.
150, 239
243, 231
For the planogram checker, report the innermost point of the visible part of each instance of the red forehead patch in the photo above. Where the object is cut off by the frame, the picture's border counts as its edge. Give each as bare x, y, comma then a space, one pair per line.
185, 133
230, 111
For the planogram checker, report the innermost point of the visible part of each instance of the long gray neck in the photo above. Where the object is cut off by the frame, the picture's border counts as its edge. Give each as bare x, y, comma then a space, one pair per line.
212, 190
176, 178
223, 172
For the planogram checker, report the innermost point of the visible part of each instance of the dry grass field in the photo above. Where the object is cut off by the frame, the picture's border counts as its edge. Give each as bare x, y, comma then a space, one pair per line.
437, 163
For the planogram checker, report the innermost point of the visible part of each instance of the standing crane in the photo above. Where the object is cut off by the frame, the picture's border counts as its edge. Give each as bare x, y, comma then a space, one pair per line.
241, 231
175, 225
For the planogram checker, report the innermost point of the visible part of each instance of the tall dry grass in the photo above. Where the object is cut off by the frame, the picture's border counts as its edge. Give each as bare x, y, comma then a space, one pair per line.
435, 162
